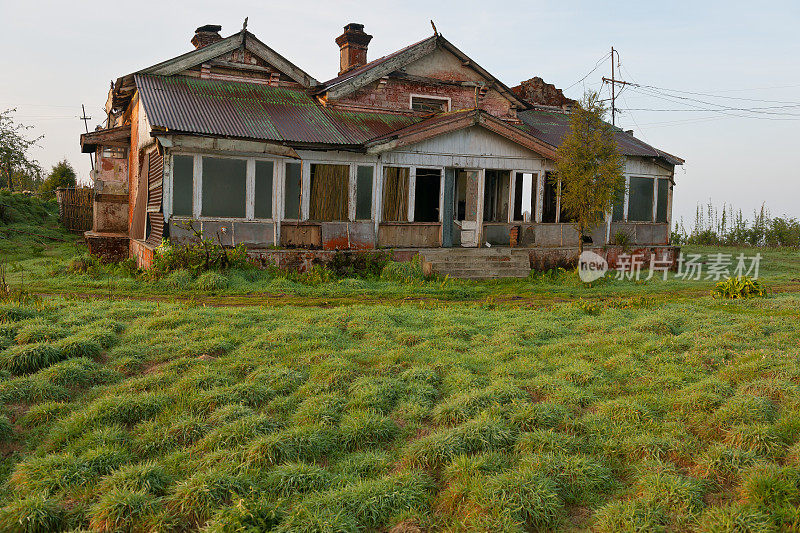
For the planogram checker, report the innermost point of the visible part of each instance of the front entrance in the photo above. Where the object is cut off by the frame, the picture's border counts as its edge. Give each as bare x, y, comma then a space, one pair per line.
465, 208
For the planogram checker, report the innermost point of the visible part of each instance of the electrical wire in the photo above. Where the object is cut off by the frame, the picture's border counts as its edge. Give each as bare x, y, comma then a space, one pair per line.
596, 66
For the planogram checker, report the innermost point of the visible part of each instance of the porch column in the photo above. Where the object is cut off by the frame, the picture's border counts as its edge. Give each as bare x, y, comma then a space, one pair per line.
479, 207
539, 197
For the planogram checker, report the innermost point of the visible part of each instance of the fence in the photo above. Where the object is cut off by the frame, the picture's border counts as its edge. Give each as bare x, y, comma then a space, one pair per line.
75, 205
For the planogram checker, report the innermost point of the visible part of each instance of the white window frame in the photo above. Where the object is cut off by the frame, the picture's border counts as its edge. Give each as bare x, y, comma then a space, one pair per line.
413, 189
429, 97
354, 191
197, 185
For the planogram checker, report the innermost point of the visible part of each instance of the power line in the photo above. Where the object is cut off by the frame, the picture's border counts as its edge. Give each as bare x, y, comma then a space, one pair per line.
596, 66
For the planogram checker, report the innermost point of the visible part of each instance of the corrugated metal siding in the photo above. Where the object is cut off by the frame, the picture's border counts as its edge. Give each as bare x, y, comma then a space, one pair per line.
250, 111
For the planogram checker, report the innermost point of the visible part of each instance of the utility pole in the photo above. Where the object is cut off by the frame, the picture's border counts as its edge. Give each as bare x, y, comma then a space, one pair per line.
86, 120
613, 87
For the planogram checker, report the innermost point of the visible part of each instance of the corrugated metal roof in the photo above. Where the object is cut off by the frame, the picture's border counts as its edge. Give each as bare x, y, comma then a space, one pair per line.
552, 127
253, 111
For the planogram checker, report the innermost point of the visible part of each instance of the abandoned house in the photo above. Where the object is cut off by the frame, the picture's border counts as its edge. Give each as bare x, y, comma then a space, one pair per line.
420, 151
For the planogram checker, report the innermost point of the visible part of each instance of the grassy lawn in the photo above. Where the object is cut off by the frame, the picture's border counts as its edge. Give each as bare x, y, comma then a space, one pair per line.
301, 405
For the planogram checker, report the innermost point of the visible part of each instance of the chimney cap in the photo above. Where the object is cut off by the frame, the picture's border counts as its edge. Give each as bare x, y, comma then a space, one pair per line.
209, 28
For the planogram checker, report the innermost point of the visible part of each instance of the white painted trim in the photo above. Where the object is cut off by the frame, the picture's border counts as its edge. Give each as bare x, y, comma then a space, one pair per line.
250, 188
512, 190
558, 202
351, 192
355, 189
655, 199
627, 197
166, 184
305, 190
378, 192
197, 185
278, 177
430, 97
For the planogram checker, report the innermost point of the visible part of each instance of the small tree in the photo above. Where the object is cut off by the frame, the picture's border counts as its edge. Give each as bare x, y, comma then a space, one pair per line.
589, 167
14, 146
62, 175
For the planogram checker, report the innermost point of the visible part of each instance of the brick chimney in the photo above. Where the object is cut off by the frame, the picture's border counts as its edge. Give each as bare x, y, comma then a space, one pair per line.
352, 47
205, 35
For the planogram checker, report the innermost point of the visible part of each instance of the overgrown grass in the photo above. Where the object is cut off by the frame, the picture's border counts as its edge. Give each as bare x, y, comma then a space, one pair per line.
653, 412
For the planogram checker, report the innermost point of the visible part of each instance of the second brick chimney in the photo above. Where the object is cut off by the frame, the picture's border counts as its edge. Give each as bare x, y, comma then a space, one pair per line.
205, 35
352, 47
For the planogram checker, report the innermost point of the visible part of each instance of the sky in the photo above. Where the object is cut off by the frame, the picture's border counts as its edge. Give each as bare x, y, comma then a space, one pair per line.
740, 55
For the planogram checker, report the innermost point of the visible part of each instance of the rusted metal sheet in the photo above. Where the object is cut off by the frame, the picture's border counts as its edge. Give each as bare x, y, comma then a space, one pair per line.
253, 111
410, 235
348, 235
552, 127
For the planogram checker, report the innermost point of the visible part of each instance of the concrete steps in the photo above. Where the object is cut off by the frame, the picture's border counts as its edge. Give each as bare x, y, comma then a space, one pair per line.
477, 263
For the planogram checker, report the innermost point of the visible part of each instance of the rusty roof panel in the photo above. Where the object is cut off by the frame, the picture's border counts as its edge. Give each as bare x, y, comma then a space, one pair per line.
551, 127
254, 111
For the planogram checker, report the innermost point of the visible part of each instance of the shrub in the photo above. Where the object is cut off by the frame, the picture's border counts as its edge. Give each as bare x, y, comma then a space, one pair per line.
361, 264
739, 287
180, 279
32, 514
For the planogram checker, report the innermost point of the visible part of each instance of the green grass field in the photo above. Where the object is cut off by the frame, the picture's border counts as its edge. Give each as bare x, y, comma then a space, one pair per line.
297, 405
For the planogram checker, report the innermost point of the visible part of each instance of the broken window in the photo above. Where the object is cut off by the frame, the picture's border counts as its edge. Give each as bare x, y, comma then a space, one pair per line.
182, 179
525, 197
427, 104
426, 195
640, 200
329, 192
113, 152
291, 197
663, 200
263, 190
495, 196
466, 195
224, 183
364, 193
395, 194
549, 200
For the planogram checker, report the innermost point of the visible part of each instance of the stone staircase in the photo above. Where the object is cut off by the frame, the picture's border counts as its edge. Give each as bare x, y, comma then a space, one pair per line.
477, 263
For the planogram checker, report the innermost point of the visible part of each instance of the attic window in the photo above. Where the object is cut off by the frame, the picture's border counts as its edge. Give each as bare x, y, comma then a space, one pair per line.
430, 104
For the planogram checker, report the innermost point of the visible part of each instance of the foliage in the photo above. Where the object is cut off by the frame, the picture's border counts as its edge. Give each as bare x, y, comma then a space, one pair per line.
403, 271
14, 148
362, 264
197, 256
739, 287
589, 166
728, 227
61, 175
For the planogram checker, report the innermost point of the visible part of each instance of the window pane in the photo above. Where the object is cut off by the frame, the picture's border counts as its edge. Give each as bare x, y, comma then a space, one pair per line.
182, 171
364, 193
263, 190
224, 183
292, 193
663, 199
395, 194
428, 105
640, 201
619, 206
426, 195
329, 188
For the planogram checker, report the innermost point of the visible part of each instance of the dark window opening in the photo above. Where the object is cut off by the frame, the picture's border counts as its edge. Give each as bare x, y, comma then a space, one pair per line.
640, 200
619, 206
329, 188
426, 195
364, 193
495, 196
549, 201
525, 197
292, 194
663, 201
224, 184
263, 190
429, 105
466, 195
395, 194
182, 181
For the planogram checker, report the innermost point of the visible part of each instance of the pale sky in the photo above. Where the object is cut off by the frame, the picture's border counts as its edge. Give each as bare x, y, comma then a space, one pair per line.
58, 55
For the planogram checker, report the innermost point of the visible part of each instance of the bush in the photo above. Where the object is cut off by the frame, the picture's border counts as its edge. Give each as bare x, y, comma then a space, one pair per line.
360, 264
739, 287
212, 281
197, 256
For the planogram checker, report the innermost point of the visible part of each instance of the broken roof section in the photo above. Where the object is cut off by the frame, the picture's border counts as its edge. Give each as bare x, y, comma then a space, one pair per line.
551, 127
361, 76
253, 111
